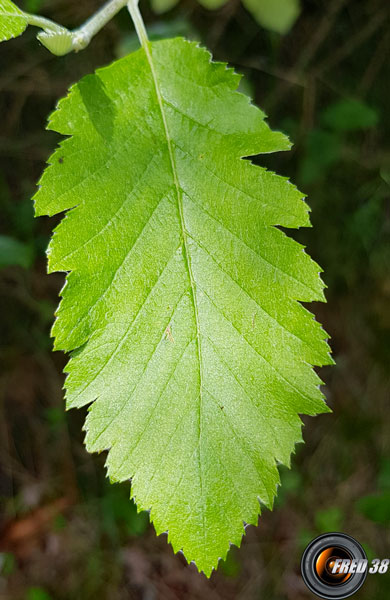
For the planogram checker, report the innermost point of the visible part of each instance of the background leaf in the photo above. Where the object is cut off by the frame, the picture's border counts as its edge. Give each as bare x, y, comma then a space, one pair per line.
12, 20
161, 6
276, 15
13, 252
375, 507
349, 115
33, 6
212, 4
181, 303
323, 149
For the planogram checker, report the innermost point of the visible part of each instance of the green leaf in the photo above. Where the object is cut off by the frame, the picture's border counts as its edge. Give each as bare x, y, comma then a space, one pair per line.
7, 563
12, 20
33, 6
384, 475
349, 115
276, 15
37, 593
58, 42
375, 507
180, 307
162, 6
329, 519
323, 149
212, 4
13, 252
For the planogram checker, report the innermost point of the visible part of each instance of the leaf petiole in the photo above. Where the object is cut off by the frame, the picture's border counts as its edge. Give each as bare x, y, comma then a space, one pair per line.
139, 25
42, 22
60, 40
83, 35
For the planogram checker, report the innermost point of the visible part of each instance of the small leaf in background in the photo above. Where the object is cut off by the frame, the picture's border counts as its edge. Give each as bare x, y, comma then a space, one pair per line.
290, 483
33, 6
231, 566
13, 252
275, 15
384, 475
55, 417
370, 552
323, 149
12, 20
290, 480
7, 563
385, 174
375, 507
304, 538
119, 515
37, 593
162, 6
349, 115
366, 222
329, 519
59, 523
212, 4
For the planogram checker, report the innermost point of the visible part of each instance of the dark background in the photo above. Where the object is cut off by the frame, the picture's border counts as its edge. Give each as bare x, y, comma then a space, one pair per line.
65, 532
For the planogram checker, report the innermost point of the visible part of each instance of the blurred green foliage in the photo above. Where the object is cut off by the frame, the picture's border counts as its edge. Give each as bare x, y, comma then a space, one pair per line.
37, 593
274, 15
329, 519
376, 507
119, 514
13, 252
349, 114
7, 564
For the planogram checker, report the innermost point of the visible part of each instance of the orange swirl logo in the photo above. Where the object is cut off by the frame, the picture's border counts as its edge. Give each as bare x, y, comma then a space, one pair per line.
334, 566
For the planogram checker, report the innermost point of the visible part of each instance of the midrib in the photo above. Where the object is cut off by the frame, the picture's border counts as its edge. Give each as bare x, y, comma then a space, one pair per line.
187, 259
179, 201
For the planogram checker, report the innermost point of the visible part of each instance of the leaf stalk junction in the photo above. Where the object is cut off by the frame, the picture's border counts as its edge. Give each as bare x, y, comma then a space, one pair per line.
60, 41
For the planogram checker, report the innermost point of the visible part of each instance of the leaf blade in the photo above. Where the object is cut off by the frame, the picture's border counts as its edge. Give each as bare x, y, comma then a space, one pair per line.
181, 302
13, 21
275, 15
